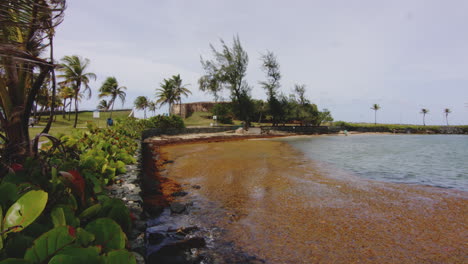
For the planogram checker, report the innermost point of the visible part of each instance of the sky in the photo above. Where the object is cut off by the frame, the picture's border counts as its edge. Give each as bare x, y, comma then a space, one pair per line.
404, 55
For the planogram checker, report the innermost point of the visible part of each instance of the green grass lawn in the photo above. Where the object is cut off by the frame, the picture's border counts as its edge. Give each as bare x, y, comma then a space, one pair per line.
65, 126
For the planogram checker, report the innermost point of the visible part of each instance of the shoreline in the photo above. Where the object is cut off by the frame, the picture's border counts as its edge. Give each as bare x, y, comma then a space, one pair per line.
178, 142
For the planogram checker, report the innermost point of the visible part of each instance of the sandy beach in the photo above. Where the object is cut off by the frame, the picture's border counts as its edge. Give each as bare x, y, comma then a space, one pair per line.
276, 204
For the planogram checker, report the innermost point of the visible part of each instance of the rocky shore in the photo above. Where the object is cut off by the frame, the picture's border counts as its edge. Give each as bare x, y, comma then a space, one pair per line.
172, 233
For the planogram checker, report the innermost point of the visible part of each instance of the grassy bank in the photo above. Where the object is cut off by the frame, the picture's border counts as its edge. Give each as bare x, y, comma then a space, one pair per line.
65, 126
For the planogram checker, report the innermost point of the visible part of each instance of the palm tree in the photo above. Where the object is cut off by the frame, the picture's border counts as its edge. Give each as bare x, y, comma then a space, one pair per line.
179, 90
447, 111
152, 107
74, 73
103, 105
141, 103
111, 88
66, 93
27, 29
375, 107
166, 94
424, 111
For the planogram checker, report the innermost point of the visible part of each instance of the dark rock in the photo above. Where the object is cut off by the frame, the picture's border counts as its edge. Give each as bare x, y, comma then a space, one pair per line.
154, 211
140, 225
177, 194
155, 238
197, 187
177, 208
134, 197
157, 258
180, 246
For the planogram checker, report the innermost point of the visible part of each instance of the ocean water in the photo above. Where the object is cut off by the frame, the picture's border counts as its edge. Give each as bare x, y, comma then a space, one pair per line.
435, 160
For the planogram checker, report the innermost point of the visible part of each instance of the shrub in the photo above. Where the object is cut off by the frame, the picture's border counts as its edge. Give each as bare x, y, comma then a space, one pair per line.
165, 122
223, 113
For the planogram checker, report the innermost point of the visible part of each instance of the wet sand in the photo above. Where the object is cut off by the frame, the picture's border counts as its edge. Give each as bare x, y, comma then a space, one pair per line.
284, 208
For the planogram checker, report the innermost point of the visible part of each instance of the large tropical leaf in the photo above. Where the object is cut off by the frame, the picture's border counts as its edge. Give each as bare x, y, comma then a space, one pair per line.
48, 244
120, 257
25, 210
108, 234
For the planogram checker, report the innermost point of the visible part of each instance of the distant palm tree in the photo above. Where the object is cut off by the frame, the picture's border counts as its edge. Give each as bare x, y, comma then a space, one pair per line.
103, 105
152, 107
111, 88
179, 90
74, 73
375, 107
447, 111
424, 111
141, 103
166, 94
66, 93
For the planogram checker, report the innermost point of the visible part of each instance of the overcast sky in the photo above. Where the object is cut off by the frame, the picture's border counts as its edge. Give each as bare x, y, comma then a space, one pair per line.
404, 55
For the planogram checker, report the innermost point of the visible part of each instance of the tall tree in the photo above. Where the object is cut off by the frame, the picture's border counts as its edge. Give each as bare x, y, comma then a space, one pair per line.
152, 107
26, 29
111, 88
424, 111
271, 66
227, 70
166, 94
74, 72
376, 108
299, 91
447, 111
103, 105
141, 103
179, 90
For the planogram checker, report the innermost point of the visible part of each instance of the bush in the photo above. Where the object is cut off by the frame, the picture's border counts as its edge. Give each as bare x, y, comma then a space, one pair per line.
165, 122
223, 113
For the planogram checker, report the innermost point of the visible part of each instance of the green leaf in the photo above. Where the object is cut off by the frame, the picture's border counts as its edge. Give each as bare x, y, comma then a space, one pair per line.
1, 229
72, 255
58, 217
8, 194
70, 217
83, 237
61, 259
108, 234
15, 261
90, 212
49, 244
17, 244
120, 257
117, 211
24, 211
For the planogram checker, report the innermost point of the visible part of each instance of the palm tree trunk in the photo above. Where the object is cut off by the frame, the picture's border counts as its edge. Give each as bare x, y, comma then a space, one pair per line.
76, 110
64, 107
112, 109
375, 117
446, 118
144, 109
424, 119
69, 109
54, 88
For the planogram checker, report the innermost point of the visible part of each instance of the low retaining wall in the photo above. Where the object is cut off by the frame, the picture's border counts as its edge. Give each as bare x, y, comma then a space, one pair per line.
154, 132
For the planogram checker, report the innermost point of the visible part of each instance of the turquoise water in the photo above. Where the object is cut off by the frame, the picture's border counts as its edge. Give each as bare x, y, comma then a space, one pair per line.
436, 160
